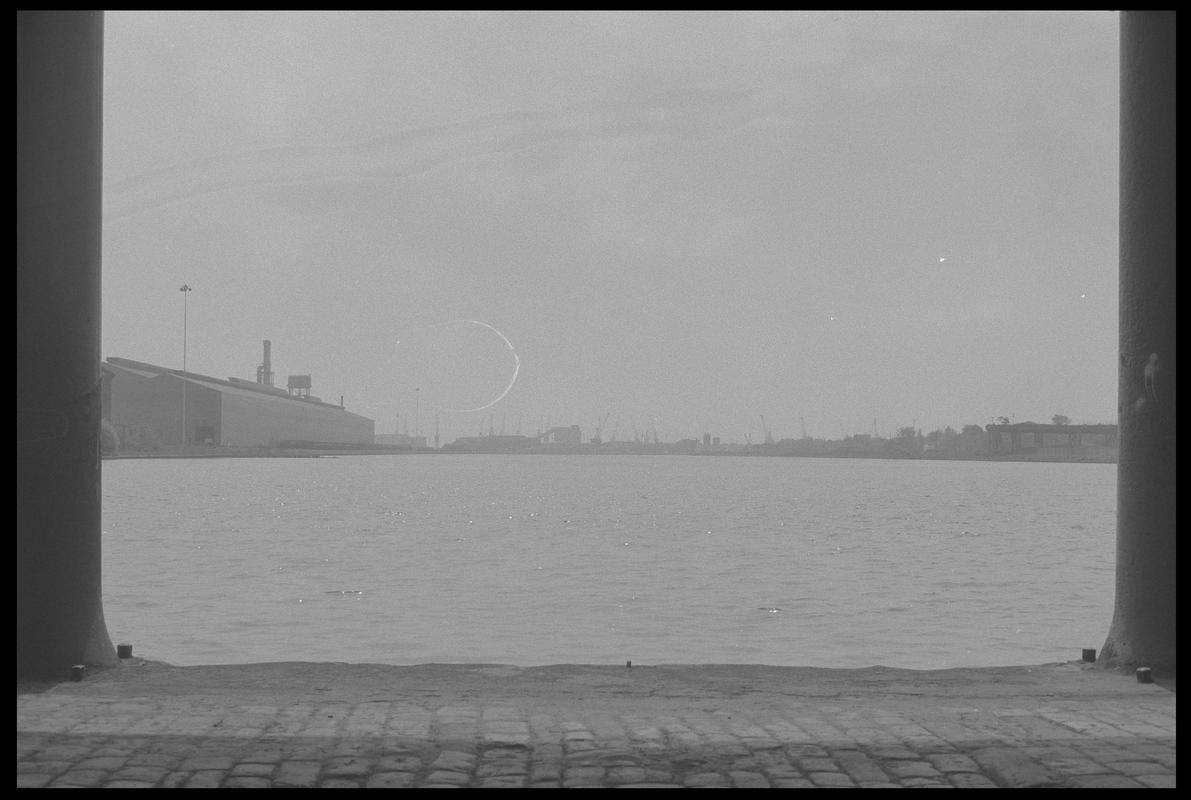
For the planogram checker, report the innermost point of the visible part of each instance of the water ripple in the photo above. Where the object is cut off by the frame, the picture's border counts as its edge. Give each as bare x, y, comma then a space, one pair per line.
561, 560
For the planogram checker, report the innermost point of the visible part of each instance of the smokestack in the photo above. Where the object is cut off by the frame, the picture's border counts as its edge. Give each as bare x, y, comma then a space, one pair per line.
264, 373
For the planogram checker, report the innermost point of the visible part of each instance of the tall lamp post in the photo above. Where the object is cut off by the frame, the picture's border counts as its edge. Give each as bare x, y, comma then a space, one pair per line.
417, 409
185, 290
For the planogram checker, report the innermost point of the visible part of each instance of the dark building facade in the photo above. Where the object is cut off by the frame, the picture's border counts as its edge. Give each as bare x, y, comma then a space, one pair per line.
1032, 438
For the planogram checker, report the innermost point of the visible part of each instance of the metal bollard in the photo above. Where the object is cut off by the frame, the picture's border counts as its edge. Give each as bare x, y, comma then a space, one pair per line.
1144, 676
78, 672
125, 650
1089, 654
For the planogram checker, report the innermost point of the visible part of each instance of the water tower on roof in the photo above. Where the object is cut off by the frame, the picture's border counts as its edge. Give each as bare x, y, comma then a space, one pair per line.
299, 385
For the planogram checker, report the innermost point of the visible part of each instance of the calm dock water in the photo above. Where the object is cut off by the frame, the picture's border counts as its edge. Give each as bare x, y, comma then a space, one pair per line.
533, 560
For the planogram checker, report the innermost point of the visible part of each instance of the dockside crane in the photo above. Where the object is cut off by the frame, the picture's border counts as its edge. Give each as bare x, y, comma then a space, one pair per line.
803, 423
765, 429
599, 430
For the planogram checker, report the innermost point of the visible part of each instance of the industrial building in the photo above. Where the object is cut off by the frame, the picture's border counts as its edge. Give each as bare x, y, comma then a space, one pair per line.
567, 436
492, 444
401, 441
554, 440
145, 402
1039, 440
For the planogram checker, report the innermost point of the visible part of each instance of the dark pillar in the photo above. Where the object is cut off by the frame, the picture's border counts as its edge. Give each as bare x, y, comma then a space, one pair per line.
1143, 626
59, 104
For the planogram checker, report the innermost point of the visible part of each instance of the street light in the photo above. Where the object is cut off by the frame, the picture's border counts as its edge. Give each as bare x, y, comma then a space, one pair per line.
185, 290
417, 409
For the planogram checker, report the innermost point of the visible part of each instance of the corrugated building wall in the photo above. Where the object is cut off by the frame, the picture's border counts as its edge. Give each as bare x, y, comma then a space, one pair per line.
250, 419
149, 407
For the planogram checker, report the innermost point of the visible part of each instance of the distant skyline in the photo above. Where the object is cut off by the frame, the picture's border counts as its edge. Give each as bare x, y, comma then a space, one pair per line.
683, 220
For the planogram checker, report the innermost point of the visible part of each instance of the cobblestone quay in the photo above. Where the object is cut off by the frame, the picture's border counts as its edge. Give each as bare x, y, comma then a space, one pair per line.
149, 724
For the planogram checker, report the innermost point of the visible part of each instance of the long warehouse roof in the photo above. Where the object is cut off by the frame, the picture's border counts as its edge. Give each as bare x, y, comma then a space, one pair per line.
232, 385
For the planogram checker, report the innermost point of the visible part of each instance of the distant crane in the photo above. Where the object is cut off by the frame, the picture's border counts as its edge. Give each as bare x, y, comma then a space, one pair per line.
599, 430
615, 425
803, 423
765, 428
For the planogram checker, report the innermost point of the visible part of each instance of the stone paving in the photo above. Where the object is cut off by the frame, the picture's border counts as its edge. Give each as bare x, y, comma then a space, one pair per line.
147, 724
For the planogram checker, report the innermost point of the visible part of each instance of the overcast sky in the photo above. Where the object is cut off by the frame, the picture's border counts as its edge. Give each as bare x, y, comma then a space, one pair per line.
681, 220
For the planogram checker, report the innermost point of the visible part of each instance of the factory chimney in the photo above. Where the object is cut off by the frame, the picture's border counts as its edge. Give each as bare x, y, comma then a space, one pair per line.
264, 373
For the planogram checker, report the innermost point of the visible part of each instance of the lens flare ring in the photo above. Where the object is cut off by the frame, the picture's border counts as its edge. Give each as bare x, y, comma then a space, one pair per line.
512, 380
